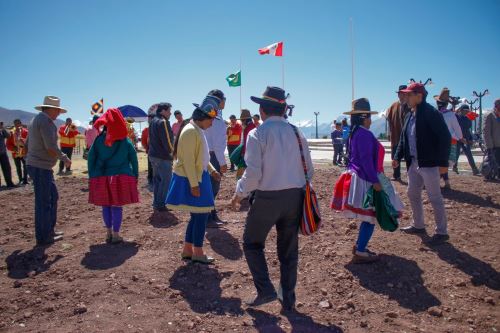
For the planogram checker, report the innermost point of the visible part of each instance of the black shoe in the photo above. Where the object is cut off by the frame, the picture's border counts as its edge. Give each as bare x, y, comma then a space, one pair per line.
161, 209
214, 224
49, 241
214, 217
261, 299
396, 179
412, 230
476, 172
455, 169
437, 239
58, 233
11, 185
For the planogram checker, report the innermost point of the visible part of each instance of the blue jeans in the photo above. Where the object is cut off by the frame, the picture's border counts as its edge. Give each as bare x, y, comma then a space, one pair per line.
162, 174
195, 231
46, 197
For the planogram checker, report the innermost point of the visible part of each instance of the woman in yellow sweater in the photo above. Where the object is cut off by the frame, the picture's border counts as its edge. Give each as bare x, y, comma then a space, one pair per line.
190, 188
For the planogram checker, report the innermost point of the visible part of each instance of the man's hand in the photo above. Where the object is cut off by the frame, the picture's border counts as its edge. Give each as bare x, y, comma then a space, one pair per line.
235, 202
195, 191
377, 187
216, 176
67, 164
443, 170
223, 168
395, 164
463, 140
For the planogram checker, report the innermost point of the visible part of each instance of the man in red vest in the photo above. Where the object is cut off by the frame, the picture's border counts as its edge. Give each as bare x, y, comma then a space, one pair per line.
233, 136
67, 141
16, 143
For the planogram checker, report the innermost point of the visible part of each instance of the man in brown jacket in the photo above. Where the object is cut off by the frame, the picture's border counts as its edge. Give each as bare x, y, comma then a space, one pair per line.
492, 133
395, 117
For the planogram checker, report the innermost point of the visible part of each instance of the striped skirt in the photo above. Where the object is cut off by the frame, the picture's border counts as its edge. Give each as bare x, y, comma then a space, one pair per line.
350, 191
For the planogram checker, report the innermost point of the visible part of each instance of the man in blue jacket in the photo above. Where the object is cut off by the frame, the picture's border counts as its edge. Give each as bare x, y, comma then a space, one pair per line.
465, 125
425, 146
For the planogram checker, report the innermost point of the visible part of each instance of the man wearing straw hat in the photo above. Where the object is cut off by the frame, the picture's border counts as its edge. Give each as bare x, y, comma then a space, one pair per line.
278, 197
43, 153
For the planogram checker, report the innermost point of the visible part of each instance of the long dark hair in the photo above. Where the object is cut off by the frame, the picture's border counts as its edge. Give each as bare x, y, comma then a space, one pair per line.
357, 120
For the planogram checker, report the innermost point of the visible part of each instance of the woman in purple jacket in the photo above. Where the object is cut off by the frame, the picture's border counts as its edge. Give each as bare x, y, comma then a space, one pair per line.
364, 170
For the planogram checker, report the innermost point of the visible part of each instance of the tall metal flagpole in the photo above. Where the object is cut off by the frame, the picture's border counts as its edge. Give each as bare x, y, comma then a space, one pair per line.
241, 83
352, 59
283, 71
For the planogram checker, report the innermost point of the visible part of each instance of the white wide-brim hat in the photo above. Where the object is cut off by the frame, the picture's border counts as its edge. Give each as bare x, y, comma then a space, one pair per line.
51, 102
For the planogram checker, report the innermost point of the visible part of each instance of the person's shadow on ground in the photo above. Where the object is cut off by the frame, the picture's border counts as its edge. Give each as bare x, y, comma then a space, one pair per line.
106, 256
163, 219
20, 264
481, 273
200, 287
470, 198
223, 243
395, 277
268, 323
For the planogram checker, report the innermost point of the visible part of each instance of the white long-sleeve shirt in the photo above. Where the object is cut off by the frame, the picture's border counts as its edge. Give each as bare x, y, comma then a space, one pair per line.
217, 139
273, 159
453, 126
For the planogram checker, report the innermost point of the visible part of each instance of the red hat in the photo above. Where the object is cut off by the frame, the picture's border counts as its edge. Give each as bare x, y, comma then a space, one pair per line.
116, 129
417, 88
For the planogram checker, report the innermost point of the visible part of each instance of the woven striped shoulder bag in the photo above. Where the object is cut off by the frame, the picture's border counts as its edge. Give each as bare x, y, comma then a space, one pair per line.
311, 217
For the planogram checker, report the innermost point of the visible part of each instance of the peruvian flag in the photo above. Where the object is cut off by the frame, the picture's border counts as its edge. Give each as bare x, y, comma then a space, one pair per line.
275, 49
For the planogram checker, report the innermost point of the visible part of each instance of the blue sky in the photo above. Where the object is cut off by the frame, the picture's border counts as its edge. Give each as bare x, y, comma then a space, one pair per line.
144, 52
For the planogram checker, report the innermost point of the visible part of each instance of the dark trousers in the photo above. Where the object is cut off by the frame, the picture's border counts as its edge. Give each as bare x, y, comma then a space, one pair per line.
467, 151
46, 197
216, 165
283, 210
150, 172
230, 149
338, 152
496, 155
396, 171
69, 152
22, 171
6, 170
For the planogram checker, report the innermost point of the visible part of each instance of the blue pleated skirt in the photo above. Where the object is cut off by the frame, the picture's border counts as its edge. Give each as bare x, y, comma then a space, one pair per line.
180, 198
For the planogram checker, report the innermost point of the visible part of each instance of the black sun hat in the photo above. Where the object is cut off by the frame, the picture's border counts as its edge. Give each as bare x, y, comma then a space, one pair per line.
273, 96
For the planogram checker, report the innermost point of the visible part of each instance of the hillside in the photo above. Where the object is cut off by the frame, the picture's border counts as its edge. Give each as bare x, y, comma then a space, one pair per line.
8, 116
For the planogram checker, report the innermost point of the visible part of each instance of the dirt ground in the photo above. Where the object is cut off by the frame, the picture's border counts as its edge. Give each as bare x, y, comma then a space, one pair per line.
83, 285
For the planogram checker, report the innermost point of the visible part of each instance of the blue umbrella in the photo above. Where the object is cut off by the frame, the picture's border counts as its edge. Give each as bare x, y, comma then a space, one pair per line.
130, 111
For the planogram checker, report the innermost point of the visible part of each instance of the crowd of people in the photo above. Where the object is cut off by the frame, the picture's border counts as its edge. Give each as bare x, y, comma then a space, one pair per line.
186, 162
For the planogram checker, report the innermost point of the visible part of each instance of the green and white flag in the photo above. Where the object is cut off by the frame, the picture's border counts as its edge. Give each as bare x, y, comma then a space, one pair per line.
234, 79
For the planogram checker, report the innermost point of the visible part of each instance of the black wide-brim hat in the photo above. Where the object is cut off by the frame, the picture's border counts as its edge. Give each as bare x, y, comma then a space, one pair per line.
273, 96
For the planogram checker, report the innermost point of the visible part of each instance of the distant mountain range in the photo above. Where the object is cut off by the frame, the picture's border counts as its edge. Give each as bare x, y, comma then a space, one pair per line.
8, 116
309, 129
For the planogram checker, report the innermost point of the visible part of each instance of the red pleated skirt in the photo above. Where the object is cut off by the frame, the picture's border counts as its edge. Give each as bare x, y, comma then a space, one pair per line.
116, 190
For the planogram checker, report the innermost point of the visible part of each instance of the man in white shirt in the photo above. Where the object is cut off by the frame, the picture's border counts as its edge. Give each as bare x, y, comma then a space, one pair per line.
217, 141
276, 174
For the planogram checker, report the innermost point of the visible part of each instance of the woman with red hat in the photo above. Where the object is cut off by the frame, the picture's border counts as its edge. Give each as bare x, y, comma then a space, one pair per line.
113, 172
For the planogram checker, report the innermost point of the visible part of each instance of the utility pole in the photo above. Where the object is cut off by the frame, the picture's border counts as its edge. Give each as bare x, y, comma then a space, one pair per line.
480, 96
316, 114
471, 103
